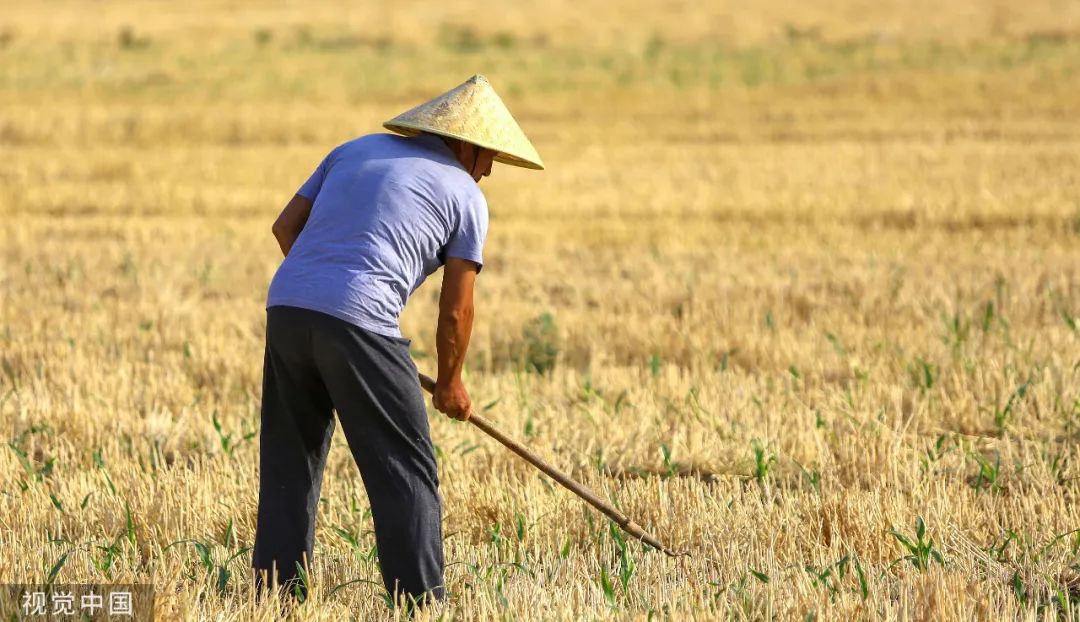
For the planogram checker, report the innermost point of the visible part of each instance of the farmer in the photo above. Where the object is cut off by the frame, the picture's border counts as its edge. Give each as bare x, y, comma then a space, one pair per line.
378, 215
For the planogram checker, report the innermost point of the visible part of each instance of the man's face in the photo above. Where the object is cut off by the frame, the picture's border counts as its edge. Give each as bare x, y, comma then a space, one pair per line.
482, 162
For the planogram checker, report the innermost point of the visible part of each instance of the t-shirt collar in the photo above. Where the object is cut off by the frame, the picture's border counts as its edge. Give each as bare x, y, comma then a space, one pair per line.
435, 142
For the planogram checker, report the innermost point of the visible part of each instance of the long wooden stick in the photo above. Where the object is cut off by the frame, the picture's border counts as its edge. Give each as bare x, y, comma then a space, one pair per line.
565, 480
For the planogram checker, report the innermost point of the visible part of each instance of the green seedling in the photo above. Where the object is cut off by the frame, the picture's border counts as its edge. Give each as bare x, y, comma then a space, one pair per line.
1003, 415
519, 526
921, 550
957, 329
936, 451
495, 534
670, 467
763, 460
540, 338
988, 315
564, 552
302, 588
1018, 589
864, 586
352, 539
608, 587
99, 463
998, 552
829, 577
836, 344
922, 374
1069, 319
36, 474
55, 569
988, 474
626, 562
218, 572
226, 440
109, 554
812, 477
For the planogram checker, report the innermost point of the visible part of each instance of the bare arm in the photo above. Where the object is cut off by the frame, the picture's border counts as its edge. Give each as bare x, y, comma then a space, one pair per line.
452, 337
290, 222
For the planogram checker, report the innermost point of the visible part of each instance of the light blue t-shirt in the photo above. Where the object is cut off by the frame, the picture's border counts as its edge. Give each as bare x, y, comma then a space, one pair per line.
387, 211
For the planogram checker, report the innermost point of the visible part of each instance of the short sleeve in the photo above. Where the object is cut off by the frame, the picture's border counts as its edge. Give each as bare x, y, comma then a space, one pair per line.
467, 240
311, 187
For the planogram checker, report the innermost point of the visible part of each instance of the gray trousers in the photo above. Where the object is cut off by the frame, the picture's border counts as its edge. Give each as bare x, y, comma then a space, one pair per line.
314, 364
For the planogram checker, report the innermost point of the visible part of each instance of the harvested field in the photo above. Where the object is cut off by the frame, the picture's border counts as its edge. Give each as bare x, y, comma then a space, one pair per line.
800, 290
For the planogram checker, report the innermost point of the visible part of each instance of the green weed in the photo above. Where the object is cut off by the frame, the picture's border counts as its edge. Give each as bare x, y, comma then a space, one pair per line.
1003, 415
670, 467
957, 329
921, 550
922, 374
226, 440
54, 570
654, 365
763, 460
218, 572
989, 473
626, 562
540, 339
813, 477
608, 587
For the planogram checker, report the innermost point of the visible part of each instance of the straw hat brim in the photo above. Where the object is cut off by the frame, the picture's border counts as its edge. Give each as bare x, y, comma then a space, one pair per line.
407, 129
474, 113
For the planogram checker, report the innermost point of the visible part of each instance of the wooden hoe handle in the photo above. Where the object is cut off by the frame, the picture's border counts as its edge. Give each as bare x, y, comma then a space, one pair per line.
563, 479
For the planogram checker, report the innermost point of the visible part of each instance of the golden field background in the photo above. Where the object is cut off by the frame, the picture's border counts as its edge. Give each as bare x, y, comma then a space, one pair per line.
801, 275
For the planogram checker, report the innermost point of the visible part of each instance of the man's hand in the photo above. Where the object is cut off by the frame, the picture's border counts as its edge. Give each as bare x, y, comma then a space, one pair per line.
452, 400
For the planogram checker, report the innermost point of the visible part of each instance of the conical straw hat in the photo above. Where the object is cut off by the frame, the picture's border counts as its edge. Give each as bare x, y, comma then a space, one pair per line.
474, 113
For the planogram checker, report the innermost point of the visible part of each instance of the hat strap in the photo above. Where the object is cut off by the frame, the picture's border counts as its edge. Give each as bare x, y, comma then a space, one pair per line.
475, 161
